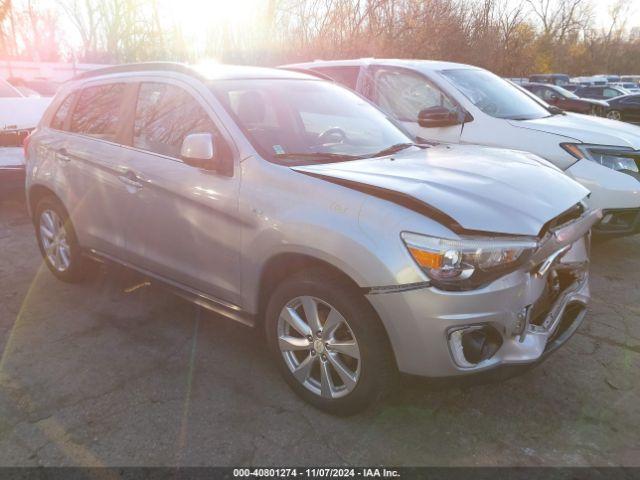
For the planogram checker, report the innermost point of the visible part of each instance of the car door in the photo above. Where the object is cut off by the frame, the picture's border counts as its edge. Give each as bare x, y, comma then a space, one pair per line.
403, 93
87, 149
631, 108
185, 224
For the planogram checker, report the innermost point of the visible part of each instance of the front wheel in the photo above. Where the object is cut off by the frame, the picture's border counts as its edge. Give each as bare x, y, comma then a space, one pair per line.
328, 343
614, 115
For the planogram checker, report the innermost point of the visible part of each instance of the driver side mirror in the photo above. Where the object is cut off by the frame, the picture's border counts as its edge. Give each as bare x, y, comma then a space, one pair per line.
434, 117
198, 150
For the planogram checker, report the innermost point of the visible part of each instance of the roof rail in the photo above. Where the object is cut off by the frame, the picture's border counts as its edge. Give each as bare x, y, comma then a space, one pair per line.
138, 67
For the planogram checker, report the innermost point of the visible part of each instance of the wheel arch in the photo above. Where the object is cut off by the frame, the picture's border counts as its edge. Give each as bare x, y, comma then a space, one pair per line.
282, 265
36, 193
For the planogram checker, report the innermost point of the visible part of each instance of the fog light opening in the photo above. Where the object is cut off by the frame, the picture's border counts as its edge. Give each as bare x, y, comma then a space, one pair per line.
471, 346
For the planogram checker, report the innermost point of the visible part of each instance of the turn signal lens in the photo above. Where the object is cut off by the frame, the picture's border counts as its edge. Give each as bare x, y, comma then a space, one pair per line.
426, 259
466, 263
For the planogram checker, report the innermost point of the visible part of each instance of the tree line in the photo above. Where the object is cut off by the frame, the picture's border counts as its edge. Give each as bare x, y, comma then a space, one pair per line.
510, 37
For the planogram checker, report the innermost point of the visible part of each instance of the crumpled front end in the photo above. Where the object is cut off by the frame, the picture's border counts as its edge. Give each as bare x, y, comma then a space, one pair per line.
517, 319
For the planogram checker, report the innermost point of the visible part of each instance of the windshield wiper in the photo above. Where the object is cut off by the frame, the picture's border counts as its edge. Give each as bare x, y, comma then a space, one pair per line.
315, 156
553, 110
392, 149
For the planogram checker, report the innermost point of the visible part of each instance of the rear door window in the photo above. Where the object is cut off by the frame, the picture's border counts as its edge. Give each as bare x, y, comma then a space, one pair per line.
98, 111
165, 115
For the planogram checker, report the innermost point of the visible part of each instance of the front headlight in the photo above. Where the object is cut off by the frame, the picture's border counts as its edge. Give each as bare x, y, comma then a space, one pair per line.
468, 262
617, 158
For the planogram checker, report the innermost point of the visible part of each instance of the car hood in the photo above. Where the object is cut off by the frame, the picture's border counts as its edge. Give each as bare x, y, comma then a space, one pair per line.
479, 188
585, 129
22, 112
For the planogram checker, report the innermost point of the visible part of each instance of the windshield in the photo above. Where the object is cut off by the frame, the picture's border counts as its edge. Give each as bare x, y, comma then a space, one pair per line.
308, 121
7, 91
566, 93
495, 96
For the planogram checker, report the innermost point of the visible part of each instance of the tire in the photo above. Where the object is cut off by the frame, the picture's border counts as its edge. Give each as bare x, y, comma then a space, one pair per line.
614, 115
58, 242
358, 375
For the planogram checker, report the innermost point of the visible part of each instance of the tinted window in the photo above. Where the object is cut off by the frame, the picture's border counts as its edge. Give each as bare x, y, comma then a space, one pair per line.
547, 94
165, 114
611, 93
58, 121
403, 94
97, 112
347, 76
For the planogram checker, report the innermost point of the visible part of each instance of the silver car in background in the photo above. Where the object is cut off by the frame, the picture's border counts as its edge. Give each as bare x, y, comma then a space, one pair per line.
283, 201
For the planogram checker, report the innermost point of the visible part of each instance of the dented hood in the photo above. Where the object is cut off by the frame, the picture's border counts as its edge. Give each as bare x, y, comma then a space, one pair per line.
482, 189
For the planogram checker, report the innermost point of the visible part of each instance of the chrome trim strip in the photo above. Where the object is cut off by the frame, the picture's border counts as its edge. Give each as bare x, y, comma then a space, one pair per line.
229, 310
396, 288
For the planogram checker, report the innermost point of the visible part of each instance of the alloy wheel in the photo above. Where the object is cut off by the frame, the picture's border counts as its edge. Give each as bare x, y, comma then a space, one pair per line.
614, 115
319, 347
55, 241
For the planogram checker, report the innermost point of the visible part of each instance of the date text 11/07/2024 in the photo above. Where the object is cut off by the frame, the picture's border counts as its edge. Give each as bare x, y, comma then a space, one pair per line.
316, 473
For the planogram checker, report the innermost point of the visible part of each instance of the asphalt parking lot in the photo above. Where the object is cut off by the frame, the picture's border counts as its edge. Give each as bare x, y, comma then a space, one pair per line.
100, 375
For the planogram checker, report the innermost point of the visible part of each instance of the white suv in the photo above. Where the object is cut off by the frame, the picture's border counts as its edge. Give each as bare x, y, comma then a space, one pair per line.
455, 103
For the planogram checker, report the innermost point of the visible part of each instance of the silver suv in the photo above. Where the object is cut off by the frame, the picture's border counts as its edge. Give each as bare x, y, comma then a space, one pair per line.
286, 202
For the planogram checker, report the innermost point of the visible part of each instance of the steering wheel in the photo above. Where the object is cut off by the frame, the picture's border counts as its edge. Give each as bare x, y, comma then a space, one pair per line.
332, 133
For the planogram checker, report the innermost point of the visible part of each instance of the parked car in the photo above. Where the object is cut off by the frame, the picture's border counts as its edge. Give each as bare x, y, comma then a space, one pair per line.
571, 87
564, 99
635, 79
292, 204
455, 103
36, 87
630, 87
598, 92
550, 78
12, 175
18, 117
626, 108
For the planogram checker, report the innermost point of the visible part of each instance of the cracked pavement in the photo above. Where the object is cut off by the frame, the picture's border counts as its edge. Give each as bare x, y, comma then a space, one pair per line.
92, 375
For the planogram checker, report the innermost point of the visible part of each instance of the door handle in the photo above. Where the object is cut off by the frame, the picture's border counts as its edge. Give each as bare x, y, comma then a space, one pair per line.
130, 179
63, 156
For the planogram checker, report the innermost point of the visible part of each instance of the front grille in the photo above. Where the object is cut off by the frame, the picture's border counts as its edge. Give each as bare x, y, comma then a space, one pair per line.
13, 138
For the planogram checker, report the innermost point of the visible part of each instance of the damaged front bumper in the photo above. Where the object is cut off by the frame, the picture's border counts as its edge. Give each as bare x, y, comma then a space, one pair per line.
517, 320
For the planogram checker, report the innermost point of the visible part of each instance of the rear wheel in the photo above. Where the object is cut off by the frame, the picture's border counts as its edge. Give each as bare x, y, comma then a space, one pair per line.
328, 343
57, 241
614, 115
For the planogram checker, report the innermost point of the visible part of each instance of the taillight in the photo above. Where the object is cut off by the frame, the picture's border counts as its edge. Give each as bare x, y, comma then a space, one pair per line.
25, 143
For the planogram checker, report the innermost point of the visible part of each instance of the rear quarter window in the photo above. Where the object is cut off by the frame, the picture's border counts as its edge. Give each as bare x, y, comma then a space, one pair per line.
58, 121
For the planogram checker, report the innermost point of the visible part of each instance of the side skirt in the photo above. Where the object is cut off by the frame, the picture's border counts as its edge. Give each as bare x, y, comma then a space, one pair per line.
229, 310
